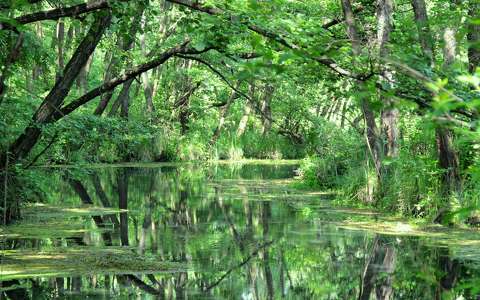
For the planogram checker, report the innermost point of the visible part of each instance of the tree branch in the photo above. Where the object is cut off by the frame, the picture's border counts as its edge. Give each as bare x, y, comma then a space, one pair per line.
57, 13
323, 60
129, 74
252, 101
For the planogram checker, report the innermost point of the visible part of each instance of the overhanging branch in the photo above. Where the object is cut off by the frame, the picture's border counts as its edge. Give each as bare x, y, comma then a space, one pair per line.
57, 13
323, 60
132, 73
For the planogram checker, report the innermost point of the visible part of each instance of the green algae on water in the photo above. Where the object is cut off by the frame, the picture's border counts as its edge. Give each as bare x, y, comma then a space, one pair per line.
18, 264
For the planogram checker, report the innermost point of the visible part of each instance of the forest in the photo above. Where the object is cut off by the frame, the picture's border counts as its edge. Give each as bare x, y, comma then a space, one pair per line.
242, 149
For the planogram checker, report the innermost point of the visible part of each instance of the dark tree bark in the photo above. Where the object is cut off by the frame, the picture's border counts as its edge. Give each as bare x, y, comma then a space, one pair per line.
184, 115
128, 75
53, 101
473, 36
22, 146
123, 97
50, 113
58, 13
424, 33
447, 160
183, 90
19, 293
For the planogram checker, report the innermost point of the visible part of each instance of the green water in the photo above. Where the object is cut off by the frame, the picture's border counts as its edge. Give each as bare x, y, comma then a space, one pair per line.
222, 231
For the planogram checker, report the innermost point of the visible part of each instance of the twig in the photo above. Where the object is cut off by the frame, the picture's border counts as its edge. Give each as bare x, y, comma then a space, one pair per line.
252, 101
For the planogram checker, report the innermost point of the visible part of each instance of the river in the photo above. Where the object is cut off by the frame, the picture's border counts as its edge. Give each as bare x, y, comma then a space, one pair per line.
222, 231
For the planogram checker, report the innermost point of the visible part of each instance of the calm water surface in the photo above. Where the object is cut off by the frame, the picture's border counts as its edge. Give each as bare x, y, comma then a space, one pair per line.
223, 231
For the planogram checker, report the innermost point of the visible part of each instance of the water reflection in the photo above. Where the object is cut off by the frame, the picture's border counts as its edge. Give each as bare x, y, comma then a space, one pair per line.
238, 232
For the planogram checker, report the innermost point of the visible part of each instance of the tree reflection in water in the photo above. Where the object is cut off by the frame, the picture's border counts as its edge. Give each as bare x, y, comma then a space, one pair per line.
240, 235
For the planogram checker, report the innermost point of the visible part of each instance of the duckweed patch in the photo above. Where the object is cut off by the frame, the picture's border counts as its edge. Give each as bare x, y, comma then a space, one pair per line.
18, 264
46, 221
40, 211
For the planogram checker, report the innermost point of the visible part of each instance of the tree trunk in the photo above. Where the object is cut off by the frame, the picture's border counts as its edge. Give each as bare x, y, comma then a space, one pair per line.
447, 157
123, 97
447, 160
60, 38
124, 43
82, 79
184, 91
222, 117
473, 36
390, 114
372, 136
247, 109
53, 101
424, 33
373, 142
266, 109
148, 86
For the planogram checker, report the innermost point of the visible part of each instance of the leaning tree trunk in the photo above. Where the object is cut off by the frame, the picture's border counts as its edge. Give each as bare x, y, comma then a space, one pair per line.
22, 146
82, 192
123, 97
125, 43
53, 101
